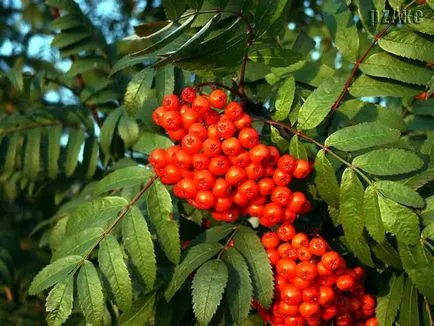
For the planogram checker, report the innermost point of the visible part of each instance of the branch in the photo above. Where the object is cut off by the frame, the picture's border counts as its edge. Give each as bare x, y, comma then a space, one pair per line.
361, 59
38, 125
246, 55
212, 83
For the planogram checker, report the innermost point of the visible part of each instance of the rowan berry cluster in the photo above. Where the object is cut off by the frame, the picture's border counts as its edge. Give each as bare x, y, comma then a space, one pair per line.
219, 164
313, 285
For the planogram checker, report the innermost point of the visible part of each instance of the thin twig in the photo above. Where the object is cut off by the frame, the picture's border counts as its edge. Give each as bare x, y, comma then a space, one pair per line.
428, 310
242, 77
38, 125
313, 141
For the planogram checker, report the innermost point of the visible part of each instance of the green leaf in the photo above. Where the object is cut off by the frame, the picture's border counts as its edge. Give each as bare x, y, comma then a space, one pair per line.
388, 161
360, 248
400, 193
388, 304
164, 81
83, 65
297, 149
59, 302
90, 295
194, 258
148, 141
76, 139
240, 289
173, 8
428, 232
396, 4
276, 57
78, 244
53, 273
387, 254
325, 180
128, 130
267, 13
32, 154
111, 262
372, 216
99, 212
351, 204
425, 20
383, 64
53, 150
65, 39
418, 263
409, 309
66, 22
248, 244
399, 220
285, 96
131, 176
160, 211
346, 37
208, 286
128, 61
361, 136
141, 311
319, 103
278, 140
368, 86
408, 44
108, 130
138, 243
11, 153
90, 156
57, 233
138, 90
214, 234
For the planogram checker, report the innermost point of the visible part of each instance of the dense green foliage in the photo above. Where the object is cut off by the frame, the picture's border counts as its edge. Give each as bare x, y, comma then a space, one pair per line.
87, 231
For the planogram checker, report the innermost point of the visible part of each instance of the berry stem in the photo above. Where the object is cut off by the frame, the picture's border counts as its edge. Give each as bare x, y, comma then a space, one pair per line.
213, 83
231, 237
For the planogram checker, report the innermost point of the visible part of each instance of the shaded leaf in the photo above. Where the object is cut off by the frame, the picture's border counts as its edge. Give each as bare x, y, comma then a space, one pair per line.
160, 211
111, 262
367, 86
387, 254
138, 90
173, 8
194, 258
59, 302
108, 130
140, 312
248, 244
388, 304
54, 273
90, 295
400, 193
138, 243
76, 139
285, 96
240, 289
399, 220
267, 13
148, 141
297, 149
409, 309
128, 130
372, 216
325, 180
208, 286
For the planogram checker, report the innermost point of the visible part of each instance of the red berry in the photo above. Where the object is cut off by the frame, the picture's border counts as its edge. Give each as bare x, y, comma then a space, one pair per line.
234, 111
286, 232
270, 240
171, 120
266, 186
255, 210
310, 294
191, 144
199, 130
171, 174
291, 295
205, 199
301, 170
171, 102
218, 98
183, 159
254, 171
235, 175
177, 134
158, 158
211, 147
281, 196
204, 180
188, 94
281, 178
245, 121
259, 153
329, 312
273, 213
211, 117
242, 160
308, 310
223, 204
231, 146
248, 137
189, 116
297, 201
300, 240
273, 256
185, 189
200, 161
306, 271
221, 188
286, 163
317, 246
219, 165
326, 295
249, 189
240, 200
201, 104
331, 260
225, 129
157, 115
372, 322
212, 132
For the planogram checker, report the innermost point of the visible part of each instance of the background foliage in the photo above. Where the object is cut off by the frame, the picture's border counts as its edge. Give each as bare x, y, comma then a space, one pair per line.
325, 81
